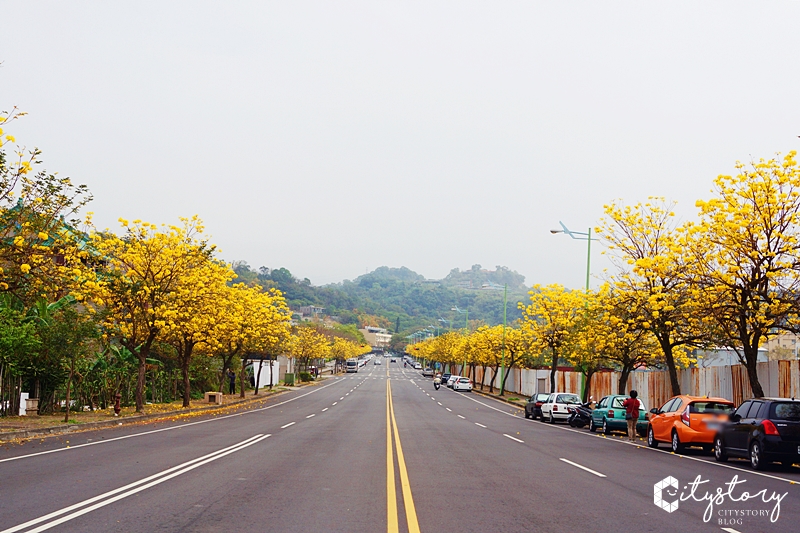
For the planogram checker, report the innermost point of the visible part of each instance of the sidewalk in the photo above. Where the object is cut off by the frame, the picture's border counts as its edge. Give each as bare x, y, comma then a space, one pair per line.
20, 428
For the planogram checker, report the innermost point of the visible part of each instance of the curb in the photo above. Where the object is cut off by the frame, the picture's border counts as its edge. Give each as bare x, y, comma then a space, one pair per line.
74, 428
500, 398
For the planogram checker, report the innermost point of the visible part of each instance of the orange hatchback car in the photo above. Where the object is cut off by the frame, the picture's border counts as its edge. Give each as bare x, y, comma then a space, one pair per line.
688, 421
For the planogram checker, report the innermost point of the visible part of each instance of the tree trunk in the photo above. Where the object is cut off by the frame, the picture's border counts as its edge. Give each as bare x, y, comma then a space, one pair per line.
553, 369
187, 386
241, 377
751, 358
258, 376
140, 383
69, 383
271, 373
622, 385
666, 347
588, 388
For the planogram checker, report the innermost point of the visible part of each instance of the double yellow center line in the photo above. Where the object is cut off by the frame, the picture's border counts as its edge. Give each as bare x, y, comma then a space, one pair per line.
392, 520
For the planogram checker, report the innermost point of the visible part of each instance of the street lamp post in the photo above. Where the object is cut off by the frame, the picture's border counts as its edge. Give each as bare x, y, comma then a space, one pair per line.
580, 236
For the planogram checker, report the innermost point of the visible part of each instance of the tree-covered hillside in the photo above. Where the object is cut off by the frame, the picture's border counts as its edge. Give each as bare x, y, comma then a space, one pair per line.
386, 294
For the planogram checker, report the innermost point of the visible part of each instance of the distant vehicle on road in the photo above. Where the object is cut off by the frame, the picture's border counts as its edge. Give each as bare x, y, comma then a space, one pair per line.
445, 377
452, 379
428, 372
763, 429
351, 366
394, 360
462, 384
377, 362
555, 407
417, 366
533, 409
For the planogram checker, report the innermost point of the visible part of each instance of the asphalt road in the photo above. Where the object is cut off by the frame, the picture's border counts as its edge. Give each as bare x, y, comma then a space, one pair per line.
318, 459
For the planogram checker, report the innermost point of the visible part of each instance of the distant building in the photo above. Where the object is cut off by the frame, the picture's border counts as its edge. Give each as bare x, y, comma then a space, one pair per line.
377, 337
783, 344
724, 357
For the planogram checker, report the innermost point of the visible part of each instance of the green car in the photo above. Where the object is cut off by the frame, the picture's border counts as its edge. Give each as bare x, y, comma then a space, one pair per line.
609, 415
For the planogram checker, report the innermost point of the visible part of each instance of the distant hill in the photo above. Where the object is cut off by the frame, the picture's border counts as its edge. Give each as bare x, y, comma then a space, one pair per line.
387, 294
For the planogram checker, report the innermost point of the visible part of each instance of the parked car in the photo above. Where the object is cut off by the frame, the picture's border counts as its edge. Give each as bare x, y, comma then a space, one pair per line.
533, 409
462, 384
764, 430
417, 366
688, 421
428, 372
555, 407
452, 380
445, 377
609, 415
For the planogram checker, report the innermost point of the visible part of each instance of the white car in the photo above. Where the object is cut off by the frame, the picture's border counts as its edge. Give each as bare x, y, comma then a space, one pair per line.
377, 362
555, 407
462, 384
452, 379
417, 366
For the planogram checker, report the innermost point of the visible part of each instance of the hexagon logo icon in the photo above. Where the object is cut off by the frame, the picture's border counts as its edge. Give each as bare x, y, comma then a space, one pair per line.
659, 488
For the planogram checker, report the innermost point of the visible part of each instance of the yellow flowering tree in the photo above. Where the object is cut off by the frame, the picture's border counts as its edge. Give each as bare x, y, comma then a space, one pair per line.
551, 321
646, 247
746, 255
144, 273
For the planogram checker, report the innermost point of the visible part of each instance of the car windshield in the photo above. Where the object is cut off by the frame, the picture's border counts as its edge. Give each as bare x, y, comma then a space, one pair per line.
568, 398
714, 408
786, 411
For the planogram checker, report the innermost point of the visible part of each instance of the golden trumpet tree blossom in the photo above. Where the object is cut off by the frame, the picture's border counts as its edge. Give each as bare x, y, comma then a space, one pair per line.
746, 255
646, 247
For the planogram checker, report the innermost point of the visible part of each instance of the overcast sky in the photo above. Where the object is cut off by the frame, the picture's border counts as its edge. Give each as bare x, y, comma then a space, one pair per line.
335, 137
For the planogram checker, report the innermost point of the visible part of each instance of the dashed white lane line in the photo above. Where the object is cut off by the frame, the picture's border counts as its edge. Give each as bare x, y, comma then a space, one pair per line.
312, 415
342, 398
729, 530
516, 439
449, 409
440, 403
325, 409
481, 425
334, 403
287, 425
595, 472
348, 394
459, 416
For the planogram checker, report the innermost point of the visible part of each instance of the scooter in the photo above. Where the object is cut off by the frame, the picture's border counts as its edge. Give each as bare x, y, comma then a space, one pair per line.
579, 415
437, 382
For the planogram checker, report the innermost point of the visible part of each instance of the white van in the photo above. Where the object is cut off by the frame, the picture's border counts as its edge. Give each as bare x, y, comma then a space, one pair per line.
351, 366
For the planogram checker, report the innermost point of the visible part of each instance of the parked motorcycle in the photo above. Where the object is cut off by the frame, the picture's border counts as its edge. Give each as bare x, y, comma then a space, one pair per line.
579, 415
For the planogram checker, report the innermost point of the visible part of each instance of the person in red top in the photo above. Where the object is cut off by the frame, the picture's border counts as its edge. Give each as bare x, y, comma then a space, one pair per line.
631, 406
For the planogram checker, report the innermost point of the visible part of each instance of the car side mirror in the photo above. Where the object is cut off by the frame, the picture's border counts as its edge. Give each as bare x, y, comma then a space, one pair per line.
655, 411
735, 417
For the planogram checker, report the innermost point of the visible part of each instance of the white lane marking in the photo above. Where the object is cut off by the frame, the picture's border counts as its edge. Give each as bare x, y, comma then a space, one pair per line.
481, 425
459, 416
449, 409
309, 416
348, 394
513, 438
729, 530
287, 425
440, 403
132, 435
595, 472
342, 398
325, 409
159, 478
334, 403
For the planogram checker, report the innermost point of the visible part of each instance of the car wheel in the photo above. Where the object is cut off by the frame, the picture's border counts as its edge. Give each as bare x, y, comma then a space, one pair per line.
651, 438
606, 429
719, 450
592, 427
527, 415
541, 417
677, 447
756, 456
551, 419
